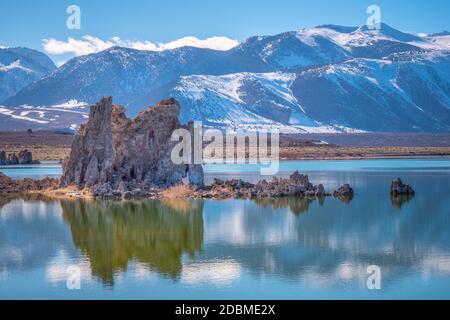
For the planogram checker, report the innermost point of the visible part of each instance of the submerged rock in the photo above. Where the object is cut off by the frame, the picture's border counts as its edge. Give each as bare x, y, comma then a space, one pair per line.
398, 188
113, 153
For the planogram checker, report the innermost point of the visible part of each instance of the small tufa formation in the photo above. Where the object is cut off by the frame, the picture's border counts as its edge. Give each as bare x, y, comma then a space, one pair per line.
297, 185
11, 186
398, 188
113, 154
24, 157
344, 193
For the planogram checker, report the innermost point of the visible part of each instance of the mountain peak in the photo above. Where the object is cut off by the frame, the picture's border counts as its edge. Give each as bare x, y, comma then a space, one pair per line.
338, 28
390, 32
441, 34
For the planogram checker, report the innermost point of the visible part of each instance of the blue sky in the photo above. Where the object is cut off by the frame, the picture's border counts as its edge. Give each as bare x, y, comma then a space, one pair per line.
27, 22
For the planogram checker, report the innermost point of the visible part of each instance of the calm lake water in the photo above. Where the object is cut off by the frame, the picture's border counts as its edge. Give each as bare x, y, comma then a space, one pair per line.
267, 249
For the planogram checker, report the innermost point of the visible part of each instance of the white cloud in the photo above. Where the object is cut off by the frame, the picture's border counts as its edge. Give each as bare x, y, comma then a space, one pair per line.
89, 44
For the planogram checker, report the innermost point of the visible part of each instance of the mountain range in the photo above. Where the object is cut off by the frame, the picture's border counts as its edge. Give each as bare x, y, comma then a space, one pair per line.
324, 79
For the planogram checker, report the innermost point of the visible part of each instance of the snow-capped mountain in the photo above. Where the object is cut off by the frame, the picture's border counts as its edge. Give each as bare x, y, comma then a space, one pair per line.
19, 67
396, 93
251, 101
327, 78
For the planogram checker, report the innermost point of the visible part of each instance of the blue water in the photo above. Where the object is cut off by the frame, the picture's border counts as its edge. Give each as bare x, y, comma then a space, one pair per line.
433, 164
239, 249
370, 165
32, 171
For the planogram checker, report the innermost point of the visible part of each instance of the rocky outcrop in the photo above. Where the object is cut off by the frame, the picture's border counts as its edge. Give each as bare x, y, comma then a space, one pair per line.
344, 193
114, 154
24, 157
398, 188
297, 185
11, 186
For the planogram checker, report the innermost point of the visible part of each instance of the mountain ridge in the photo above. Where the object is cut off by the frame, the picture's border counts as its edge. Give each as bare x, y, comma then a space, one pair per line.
401, 79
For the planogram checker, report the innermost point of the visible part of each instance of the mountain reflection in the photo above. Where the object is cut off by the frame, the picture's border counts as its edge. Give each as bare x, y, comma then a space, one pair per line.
112, 234
296, 205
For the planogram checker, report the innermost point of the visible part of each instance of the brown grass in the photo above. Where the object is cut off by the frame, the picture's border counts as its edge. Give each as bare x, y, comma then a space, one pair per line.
180, 191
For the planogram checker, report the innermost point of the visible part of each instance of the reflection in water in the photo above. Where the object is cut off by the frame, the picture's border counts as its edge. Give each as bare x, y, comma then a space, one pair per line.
296, 205
399, 200
287, 246
31, 231
112, 234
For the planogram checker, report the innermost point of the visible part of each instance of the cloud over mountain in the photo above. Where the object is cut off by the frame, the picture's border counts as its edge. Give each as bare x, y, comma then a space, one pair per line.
90, 44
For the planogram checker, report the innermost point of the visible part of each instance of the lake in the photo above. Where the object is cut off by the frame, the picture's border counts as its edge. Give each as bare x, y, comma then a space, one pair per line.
236, 249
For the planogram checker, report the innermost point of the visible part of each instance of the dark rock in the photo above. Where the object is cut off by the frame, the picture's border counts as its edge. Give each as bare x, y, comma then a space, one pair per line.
111, 149
12, 159
398, 188
344, 193
297, 185
25, 157
3, 159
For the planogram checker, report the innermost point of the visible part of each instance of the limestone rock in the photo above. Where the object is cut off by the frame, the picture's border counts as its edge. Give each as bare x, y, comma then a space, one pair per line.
398, 188
118, 152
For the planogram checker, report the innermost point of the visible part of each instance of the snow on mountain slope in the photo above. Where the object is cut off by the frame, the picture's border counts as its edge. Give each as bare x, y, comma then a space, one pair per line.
396, 94
65, 116
129, 75
19, 67
293, 50
245, 100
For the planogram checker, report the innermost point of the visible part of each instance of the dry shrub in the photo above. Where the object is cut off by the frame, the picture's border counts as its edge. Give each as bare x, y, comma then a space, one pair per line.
180, 191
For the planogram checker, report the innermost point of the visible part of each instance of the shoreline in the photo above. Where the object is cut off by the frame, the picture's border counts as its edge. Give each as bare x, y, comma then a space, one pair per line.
297, 185
310, 157
48, 146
